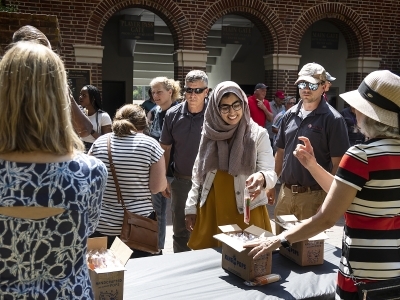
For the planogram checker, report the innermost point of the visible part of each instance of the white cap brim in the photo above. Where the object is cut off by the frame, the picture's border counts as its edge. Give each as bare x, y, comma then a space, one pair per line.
308, 79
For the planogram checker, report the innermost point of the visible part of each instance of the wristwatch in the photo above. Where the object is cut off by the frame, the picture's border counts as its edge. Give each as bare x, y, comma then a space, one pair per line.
284, 242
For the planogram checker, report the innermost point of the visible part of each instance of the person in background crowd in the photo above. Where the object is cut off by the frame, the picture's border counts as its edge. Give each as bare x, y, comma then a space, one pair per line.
148, 104
80, 121
355, 135
328, 84
260, 110
364, 189
277, 106
181, 131
90, 99
165, 94
234, 153
140, 168
51, 191
300, 193
276, 123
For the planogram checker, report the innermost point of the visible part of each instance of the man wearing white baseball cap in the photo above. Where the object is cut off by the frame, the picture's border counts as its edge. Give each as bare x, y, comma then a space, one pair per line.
365, 190
300, 193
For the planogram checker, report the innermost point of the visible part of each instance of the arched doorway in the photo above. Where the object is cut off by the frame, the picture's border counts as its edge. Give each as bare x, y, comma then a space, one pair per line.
167, 11
130, 63
235, 52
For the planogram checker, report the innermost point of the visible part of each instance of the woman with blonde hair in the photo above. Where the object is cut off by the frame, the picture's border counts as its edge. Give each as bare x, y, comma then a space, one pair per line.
51, 191
140, 168
80, 121
165, 93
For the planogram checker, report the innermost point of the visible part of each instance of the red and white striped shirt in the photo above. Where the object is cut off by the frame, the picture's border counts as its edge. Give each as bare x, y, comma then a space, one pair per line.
371, 241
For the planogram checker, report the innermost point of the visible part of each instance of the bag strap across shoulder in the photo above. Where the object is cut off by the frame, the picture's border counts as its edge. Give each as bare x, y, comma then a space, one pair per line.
114, 174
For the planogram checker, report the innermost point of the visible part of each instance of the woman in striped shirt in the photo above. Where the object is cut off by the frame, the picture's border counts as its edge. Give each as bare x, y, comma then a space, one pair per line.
366, 189
140, 168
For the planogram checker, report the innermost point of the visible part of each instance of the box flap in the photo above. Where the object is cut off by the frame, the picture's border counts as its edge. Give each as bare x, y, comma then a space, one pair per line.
319, 236
230, 228
97, 243
287, 218
257, 231
231, 242
121, 251
108, 270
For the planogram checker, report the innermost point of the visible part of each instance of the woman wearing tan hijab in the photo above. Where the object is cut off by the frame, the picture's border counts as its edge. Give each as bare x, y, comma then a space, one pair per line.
234, 153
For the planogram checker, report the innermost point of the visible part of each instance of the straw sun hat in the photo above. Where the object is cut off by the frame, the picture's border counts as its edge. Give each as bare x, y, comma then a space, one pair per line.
378, 97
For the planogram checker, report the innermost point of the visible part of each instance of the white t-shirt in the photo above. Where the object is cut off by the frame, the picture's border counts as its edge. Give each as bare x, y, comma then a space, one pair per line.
98, 120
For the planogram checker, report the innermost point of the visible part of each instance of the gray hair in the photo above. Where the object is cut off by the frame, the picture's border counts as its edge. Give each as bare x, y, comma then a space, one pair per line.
287, 98
372, 129
196, 75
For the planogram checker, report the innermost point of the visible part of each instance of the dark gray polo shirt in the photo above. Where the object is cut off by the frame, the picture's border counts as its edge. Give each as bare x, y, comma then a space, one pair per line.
327, 132
183, 130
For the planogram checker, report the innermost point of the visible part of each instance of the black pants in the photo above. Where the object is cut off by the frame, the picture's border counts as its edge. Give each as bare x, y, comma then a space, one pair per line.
110, 240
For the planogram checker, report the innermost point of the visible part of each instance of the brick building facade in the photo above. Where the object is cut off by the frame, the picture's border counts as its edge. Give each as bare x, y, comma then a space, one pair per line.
370, 29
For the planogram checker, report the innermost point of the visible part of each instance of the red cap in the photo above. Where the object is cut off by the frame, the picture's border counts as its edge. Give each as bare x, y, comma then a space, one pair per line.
280, 94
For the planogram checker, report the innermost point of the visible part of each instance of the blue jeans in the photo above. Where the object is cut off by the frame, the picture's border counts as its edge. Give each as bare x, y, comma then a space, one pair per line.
180, 189
160, 206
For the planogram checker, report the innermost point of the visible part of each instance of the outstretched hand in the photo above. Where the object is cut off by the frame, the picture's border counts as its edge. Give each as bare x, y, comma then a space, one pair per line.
305, 153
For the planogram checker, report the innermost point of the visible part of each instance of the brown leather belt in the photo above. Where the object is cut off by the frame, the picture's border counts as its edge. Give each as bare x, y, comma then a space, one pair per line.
180, 176
295, 188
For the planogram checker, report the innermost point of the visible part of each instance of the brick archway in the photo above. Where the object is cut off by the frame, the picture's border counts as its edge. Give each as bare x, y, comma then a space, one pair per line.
267, 22
168, 11
350, 24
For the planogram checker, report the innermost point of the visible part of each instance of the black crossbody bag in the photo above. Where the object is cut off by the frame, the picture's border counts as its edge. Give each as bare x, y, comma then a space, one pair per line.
379, 290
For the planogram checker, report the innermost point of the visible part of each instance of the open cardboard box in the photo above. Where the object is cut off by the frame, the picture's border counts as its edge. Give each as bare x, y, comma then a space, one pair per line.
108, 283
235, 258
305, 253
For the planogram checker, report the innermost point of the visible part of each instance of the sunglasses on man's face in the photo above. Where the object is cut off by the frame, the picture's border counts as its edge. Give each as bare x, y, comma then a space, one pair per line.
195, 90
312, 86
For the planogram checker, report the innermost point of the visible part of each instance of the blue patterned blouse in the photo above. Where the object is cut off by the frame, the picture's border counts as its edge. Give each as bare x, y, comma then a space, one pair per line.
46, 258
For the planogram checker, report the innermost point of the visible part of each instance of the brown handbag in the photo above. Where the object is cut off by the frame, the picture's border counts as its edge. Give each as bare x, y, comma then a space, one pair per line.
137, 232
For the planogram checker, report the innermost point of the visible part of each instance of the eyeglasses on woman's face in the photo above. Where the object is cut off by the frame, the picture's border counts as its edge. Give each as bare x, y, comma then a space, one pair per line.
225, 108
311, 86
291, 102
195, 90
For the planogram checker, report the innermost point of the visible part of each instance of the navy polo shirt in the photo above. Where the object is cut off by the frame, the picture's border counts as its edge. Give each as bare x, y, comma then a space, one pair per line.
182, 129
327, 132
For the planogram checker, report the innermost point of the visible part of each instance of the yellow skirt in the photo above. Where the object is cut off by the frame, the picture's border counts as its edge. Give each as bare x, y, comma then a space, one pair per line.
220, 209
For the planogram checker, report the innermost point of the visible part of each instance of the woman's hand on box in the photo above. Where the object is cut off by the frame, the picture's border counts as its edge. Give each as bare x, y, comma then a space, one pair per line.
262, 246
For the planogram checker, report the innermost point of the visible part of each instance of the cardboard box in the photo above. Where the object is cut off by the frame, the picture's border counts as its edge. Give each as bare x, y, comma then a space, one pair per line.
235, 258
109, 283
305, 253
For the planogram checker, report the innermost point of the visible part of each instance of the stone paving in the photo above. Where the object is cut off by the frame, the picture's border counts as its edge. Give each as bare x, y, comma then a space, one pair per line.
334, 233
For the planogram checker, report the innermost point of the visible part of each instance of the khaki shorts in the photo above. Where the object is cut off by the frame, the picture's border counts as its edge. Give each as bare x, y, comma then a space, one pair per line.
302, 205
